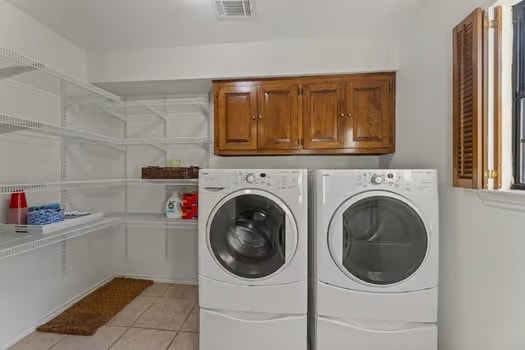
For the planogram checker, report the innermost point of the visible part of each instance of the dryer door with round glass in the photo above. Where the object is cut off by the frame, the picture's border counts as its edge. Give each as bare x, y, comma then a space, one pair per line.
252, 234
379, 238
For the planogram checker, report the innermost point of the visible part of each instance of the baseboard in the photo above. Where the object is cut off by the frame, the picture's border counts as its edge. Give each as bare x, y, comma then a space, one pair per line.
56, 312
160, 279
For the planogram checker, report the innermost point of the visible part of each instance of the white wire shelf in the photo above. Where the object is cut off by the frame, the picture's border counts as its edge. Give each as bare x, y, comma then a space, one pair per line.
16, 244
12, 244
143, 220
12, 124
42, 77
182, 140
10, 187
29, 72
161, 108
162, 182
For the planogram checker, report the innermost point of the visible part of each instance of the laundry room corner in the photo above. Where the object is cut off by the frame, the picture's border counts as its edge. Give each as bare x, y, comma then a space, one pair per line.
262, 174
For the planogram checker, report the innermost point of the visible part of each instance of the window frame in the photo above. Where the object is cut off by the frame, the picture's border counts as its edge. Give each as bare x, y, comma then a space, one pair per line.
518, 95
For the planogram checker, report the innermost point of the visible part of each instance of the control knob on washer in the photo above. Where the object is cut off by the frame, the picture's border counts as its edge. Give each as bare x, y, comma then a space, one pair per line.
377, 179
250, 178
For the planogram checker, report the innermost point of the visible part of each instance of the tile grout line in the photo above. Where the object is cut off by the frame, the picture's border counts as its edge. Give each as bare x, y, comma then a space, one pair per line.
173, 340
129, 327
177, 332
112, 344
181, 329
117, 325
183, 323
155, 329
187, 318
142, 314
168, 285
52, 346
180, 333
181, 298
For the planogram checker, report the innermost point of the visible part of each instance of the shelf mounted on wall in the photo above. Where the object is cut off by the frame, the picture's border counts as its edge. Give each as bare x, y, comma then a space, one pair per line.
74, 95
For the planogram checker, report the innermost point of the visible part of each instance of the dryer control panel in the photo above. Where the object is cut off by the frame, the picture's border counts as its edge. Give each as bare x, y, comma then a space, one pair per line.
406, 180
350, 182
373, 178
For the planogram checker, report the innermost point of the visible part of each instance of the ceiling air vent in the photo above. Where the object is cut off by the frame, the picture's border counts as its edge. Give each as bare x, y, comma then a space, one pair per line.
235, 8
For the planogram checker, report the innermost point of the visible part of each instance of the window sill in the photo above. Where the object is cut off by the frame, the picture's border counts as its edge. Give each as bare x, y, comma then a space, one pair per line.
506, 199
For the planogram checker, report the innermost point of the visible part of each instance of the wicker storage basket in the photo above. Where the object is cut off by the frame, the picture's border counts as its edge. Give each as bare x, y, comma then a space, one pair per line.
155, 172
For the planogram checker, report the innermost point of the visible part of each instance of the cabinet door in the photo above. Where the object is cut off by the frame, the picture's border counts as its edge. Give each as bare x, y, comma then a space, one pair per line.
369, 115
278, 125
236, 122
323, 120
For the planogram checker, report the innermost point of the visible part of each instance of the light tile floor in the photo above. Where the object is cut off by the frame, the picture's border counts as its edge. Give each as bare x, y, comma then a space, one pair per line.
165, 316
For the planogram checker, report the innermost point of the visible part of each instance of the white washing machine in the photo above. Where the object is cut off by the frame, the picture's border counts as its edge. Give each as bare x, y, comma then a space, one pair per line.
375, 239
253, 259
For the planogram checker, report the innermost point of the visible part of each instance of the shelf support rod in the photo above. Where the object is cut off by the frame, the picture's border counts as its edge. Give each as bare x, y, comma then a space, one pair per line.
157, 113
158, 146
79, 100
111, 113
120, 148
201, 107
63, 151
63, 257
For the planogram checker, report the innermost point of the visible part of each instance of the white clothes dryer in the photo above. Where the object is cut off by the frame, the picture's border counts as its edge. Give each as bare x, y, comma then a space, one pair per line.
375, 239
253, 258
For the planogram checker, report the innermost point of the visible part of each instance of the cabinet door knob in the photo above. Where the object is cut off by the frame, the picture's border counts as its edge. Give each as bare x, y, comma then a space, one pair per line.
349, 115
254, 117
260, 116
342, 115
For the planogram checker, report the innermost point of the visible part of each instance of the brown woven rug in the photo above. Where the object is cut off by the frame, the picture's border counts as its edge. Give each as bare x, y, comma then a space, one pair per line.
97, 308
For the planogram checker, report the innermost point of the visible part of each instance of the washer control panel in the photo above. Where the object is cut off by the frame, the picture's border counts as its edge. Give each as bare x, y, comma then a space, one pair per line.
275, 179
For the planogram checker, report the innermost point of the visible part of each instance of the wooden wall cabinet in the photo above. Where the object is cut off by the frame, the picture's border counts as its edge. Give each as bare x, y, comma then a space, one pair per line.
345, 114
323, 115
370, 116
236, 113
278, 118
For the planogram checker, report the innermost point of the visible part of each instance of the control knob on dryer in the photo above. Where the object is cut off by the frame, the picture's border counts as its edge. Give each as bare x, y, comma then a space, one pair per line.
377, 179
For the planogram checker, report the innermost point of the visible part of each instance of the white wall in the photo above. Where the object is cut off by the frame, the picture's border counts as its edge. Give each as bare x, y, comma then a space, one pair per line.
22, 33
267, 58
33, 285
482, 278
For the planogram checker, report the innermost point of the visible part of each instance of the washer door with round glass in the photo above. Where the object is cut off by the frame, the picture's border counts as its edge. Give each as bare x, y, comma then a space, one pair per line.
252, 234
378, 239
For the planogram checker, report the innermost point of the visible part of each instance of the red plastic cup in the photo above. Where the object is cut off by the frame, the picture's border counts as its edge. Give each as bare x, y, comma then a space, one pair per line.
17, 211
18, 200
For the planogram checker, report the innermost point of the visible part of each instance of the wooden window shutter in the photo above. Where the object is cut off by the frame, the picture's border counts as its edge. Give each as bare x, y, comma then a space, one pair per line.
469, 156
498, 99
